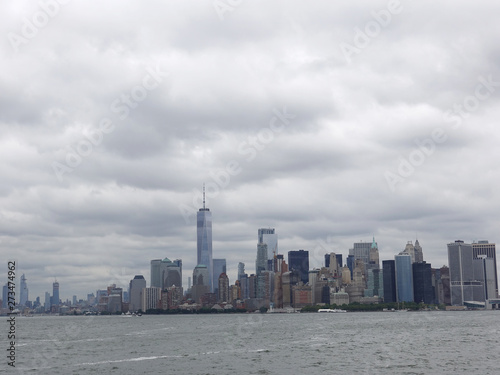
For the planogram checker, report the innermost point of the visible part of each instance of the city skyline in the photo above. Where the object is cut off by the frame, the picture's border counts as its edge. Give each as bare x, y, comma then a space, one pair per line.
360, 255
331, 124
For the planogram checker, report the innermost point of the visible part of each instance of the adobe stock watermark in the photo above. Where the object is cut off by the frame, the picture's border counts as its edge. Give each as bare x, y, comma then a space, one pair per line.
425, 148
31, 26
121, 107
223, 6
363, 37
249, 149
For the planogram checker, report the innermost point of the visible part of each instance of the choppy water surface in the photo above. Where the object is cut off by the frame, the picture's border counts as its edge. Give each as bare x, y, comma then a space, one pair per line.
314, 343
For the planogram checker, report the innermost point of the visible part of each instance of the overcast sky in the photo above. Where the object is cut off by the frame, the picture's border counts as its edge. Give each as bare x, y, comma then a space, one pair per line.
302, 116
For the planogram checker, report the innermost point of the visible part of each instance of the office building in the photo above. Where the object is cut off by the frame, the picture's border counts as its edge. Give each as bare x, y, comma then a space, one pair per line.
46, 304
423, 290
55, 294
350, 262
23, 291
201, 283
156, 273
488, 249
261, 263
241, 270
151, 298
404, 278
223, 288
375, 283
219, 268
368, 253
419, 255
137, 284
5, 296
171, 273
466, 280
389, 272
484, 270
298, 260
204, 240
269, 237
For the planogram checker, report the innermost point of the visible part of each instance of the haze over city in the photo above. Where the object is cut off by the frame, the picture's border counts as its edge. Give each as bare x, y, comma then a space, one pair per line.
332, 123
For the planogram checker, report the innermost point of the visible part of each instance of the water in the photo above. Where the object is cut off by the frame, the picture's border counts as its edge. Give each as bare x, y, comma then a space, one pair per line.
314, 343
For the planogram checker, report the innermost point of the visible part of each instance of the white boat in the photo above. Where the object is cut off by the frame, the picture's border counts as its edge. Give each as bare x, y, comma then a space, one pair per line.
332, 311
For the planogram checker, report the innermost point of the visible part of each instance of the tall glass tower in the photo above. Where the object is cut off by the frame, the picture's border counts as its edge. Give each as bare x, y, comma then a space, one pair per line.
404, 278
23, 298
204, 240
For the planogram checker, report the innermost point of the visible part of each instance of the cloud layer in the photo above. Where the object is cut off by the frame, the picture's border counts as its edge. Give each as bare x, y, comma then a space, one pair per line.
307, 117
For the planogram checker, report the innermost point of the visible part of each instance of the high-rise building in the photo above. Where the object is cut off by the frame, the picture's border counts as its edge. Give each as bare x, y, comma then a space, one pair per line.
241, 270
410, 250
466, 278
484, 270
261, 260
151, 298
46, 305
299, 260
375, 283
223, 288
137, 285
204, 240
419, 255
270, 238
219, 267
423, 291
5, 296
55, 294
171, 273
488, 249
201, 282
156, 280
389, 268
350, 262
374, 262
23, 293
404, 278
333, 265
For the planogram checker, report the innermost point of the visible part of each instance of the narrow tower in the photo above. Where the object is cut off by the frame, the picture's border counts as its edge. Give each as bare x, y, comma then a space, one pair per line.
204, 239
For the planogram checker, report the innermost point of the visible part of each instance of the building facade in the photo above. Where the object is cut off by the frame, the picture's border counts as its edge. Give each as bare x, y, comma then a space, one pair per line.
404, 278
298, 260
204, 240
137, 284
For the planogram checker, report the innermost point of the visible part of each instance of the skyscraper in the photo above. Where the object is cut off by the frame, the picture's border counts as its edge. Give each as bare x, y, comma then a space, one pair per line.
46, 305
404, 278
219, 267
201, 282
55, 294
465, 278
156, 273
389, 268
270, 238
488, 249
261, 261
419, 256
241, 270
423, 291
171, 273
136, 287
223, 287
23, 294
298, 260
204, 240
5, 296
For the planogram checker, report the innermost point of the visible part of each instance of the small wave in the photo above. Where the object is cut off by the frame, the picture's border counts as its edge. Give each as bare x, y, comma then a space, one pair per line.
138, 359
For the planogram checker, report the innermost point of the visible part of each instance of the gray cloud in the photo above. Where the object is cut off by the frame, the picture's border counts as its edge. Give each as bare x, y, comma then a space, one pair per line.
320, 180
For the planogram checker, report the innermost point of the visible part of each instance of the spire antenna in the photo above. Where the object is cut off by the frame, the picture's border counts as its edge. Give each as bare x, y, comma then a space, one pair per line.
203, 195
